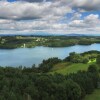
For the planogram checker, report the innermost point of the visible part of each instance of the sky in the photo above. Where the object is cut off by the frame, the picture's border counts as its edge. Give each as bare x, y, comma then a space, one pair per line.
49, 16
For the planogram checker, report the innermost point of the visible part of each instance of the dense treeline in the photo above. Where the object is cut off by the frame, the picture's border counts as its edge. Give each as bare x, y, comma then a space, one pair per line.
83, 57
44, 67
18, 85
48, 64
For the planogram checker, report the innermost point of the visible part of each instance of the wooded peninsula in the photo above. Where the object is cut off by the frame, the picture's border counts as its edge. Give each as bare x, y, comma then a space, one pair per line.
11, 42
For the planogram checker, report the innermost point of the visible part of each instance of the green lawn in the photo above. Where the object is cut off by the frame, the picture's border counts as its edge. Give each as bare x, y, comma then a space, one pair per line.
66, 68
92, 61
94, 96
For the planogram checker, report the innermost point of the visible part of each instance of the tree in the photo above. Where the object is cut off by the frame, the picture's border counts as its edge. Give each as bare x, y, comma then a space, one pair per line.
59, 92
94, 74
73, 90
46, 65
92, 68
12, 96
85, 60
74, 58
98, 60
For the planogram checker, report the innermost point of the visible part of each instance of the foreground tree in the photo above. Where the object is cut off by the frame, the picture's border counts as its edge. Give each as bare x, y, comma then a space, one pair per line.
98, 60
73, 90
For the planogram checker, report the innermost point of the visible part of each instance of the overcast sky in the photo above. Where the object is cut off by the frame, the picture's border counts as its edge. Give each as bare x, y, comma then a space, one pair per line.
49, 16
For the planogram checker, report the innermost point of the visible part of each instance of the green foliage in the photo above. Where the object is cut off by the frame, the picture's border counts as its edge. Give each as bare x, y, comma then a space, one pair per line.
84, 80
98, 60
73, 90
93, 71
85, 60
44, 67
92, 68
86, 57
18, 85
48, 64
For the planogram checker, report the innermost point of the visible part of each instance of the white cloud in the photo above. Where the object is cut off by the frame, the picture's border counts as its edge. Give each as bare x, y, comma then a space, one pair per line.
29, 17
89, 21
90, 24
26, 10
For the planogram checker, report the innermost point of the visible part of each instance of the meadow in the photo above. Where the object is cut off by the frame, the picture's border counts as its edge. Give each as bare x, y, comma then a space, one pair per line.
68, 67
94, 96
71, 68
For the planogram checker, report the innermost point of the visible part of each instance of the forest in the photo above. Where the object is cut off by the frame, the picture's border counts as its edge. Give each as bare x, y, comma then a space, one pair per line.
23, 83
11, 42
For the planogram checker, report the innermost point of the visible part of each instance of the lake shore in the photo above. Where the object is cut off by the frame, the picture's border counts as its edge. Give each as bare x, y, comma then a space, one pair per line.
49, 41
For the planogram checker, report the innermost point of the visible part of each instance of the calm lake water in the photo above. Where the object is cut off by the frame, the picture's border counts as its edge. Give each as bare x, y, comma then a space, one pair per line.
29, 56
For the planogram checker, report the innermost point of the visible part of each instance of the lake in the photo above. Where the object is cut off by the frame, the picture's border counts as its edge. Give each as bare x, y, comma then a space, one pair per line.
29, 56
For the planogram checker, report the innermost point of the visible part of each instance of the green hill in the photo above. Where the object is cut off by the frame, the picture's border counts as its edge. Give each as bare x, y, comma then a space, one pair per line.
66, 68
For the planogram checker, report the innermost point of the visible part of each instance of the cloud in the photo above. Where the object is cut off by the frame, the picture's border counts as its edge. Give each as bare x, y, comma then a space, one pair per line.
32, 16
19, 10
82, 5
90, 24
25, 10
35, 0
87, 5
89, 21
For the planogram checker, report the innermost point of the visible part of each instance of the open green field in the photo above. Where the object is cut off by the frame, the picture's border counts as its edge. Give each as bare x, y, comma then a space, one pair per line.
66, 68
94, 96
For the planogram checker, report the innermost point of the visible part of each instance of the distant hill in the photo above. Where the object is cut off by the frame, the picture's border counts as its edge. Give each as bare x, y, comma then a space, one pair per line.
48, 34
73, 34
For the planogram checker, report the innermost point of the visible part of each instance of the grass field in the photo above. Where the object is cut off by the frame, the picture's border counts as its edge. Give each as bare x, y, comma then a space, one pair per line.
66, 68
92, 61
94, 96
